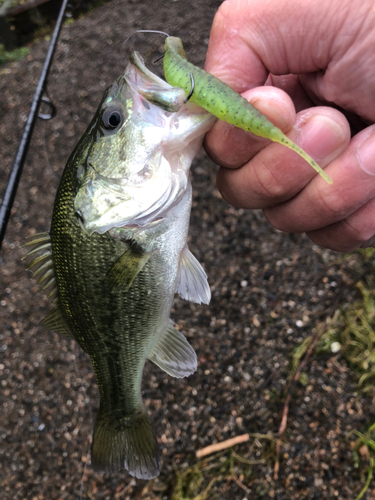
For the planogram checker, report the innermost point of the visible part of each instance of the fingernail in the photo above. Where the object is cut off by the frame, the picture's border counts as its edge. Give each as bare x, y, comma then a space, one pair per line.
368, 243
365, 154
324, 134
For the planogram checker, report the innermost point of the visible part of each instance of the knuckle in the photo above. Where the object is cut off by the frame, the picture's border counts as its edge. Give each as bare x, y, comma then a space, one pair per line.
269, 186
358, 234
333, 203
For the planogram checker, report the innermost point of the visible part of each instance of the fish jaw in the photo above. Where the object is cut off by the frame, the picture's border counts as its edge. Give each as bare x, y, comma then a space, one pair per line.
134, 175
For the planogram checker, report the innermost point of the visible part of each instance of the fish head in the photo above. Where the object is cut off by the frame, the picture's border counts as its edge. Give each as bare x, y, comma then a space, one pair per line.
134, 160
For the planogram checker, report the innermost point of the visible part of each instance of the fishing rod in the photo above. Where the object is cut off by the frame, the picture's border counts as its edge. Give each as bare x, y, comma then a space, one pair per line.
15, 174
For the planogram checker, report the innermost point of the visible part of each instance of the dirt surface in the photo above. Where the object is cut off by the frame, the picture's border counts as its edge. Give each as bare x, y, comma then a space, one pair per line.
269, 291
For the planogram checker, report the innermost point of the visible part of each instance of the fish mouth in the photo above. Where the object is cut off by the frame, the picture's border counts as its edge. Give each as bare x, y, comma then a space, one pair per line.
139, 185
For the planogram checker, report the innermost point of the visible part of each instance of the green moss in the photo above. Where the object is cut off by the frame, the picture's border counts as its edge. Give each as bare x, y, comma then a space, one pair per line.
353, 332
365, 446
12, 3
198, 481
12, 55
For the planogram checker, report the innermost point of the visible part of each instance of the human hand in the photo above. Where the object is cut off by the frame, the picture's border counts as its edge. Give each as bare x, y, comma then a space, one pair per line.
326, 54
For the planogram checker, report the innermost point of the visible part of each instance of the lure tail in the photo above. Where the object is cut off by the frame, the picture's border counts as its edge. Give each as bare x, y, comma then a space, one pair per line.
283, 139
128, 442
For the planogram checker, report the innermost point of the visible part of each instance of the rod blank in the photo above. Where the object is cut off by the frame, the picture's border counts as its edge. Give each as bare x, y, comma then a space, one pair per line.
15, 174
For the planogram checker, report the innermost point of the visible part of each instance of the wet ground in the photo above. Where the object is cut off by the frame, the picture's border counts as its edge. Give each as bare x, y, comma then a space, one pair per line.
269, 291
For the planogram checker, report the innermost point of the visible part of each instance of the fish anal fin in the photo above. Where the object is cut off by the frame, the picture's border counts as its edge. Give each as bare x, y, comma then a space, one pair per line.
127, 442
192, 281
174, 354
127, 267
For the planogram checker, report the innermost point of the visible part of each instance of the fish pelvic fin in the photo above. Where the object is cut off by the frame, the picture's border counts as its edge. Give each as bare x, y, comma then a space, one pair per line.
174, 354
192, 281
127, 442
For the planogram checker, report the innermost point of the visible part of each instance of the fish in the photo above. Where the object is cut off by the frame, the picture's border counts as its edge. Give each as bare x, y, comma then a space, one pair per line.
116, 254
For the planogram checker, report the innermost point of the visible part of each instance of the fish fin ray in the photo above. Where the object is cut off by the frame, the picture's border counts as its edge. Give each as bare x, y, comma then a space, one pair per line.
40, 256
124, 271
192, 281
174, 354
56, 322
37, 238
128, 442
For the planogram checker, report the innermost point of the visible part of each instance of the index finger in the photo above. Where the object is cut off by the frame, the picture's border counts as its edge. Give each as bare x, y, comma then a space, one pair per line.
251, 38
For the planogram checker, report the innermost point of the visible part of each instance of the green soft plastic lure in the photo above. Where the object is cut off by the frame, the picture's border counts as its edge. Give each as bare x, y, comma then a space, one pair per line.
223, 102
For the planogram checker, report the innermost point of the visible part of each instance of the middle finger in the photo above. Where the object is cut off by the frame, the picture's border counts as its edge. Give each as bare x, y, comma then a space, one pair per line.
277, 173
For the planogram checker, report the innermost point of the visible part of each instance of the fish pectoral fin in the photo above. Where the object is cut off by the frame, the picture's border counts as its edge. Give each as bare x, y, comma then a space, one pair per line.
174, 354
127, 267
55, 322
192, 281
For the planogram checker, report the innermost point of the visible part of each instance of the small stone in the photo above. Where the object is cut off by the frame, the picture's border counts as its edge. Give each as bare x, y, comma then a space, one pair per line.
335, 347
318, 481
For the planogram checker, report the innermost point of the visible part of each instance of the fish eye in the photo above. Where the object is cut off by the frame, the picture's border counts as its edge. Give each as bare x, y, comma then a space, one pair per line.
112, 118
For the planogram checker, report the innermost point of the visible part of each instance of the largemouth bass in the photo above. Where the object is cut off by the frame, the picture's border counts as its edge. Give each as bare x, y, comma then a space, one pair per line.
116, 254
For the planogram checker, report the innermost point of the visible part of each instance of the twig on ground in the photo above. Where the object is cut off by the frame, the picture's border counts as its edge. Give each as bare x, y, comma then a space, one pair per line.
222, 446
238, 482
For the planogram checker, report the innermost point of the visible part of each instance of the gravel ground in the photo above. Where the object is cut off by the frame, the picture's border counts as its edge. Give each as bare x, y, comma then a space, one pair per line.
269, 291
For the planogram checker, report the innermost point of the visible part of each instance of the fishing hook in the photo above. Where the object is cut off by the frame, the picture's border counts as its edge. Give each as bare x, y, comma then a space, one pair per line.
158, 59
144, 31
192, 87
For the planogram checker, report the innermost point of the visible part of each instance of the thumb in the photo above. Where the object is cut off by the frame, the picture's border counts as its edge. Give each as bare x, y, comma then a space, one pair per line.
251, 38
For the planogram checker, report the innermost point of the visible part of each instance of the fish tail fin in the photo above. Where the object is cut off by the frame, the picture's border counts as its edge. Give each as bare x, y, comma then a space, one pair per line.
127, 442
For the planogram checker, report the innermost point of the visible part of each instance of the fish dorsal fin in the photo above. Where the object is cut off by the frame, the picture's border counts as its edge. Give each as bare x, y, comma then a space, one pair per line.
39, 259
55, 322
174, 354
127, 267
192, 281
40, 262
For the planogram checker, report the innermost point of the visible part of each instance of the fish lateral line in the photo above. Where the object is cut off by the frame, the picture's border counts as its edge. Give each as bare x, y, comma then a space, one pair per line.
219, 99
